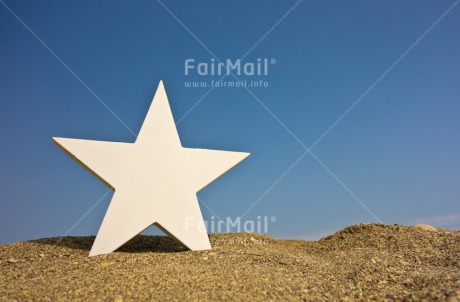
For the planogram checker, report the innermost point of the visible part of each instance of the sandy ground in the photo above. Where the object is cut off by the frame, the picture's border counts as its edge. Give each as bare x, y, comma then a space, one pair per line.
362, 262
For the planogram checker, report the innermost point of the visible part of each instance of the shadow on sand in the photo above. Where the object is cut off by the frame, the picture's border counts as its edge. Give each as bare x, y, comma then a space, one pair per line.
139, 244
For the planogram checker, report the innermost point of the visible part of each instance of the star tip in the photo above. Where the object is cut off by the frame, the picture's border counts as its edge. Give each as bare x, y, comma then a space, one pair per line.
93, 253
58, 140
55, 139
161, 87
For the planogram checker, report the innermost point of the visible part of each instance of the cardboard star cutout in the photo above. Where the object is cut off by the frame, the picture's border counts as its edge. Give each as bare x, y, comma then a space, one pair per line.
155, 180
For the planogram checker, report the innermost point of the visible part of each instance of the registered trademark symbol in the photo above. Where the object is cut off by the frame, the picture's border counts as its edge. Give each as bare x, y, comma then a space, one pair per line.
273, 219
273, 62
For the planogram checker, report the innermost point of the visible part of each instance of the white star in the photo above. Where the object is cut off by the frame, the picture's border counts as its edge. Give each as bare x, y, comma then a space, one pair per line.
155, 180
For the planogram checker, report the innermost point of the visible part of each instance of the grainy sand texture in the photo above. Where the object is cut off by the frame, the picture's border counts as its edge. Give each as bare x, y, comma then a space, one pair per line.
359, 263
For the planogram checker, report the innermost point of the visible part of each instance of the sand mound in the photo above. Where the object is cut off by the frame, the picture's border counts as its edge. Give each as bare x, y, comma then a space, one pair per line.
361, 262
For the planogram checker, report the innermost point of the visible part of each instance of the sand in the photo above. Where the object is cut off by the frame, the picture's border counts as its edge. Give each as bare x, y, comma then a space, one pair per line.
360, 263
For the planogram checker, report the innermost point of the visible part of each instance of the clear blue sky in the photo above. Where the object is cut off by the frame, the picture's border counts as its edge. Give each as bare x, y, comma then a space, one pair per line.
396, 151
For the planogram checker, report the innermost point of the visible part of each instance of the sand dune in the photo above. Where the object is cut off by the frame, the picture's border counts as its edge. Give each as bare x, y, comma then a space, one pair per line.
362, 262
